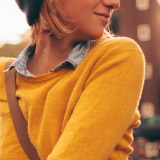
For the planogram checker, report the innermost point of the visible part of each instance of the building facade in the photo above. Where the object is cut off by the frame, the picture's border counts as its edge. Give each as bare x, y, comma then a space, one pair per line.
140, 20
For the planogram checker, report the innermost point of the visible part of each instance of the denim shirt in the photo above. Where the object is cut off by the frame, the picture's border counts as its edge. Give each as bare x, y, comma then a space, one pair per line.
74, 58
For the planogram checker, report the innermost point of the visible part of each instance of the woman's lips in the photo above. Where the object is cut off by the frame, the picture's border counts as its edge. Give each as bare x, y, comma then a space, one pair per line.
104, 16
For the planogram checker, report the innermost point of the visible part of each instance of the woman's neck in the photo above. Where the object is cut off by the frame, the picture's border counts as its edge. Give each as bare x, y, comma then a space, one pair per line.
49, 53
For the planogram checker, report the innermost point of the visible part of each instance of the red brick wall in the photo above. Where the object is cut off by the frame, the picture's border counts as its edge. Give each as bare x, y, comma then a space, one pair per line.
130, 18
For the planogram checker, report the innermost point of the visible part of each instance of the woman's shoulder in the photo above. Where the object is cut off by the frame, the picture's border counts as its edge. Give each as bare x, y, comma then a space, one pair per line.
3, 61
118, 43
118, 47
118, 52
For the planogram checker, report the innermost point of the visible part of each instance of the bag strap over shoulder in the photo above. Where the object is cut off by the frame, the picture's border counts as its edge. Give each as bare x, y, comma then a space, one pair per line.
19, 121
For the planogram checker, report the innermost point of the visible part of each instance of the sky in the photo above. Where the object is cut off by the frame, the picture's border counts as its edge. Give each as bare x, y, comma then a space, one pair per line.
12, 22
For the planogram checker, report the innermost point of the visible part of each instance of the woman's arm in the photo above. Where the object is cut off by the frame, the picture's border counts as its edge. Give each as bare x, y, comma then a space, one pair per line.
105, 109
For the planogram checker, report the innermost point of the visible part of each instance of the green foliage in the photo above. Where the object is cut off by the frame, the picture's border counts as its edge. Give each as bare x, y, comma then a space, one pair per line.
114, 25
10, 50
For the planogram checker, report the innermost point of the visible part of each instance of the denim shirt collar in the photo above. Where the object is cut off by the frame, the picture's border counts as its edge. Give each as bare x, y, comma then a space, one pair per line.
74, 58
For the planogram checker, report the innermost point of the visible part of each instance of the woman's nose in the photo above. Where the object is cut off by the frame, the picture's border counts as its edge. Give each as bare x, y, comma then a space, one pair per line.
113, 4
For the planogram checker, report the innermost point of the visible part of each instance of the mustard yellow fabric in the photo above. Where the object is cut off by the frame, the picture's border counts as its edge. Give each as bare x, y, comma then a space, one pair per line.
84, 114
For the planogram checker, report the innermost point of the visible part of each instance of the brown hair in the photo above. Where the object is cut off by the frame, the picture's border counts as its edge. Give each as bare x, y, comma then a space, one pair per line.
52, 21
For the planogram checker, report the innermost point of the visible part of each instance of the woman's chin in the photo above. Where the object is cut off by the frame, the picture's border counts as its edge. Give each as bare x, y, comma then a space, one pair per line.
94, 35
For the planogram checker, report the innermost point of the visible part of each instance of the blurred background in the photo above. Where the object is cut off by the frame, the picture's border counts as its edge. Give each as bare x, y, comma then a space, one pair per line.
13, 28
137, 19
140, 20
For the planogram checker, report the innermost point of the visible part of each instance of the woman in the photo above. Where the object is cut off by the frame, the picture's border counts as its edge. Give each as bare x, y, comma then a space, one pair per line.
78, 87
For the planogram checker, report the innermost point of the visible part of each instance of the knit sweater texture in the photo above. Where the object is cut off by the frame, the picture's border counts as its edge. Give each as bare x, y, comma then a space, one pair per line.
87, 113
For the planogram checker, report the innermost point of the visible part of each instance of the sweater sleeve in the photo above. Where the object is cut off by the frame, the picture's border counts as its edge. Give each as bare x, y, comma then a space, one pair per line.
105, 109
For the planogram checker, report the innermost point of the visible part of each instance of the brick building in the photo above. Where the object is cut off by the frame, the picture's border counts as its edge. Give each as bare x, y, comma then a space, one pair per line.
140, 20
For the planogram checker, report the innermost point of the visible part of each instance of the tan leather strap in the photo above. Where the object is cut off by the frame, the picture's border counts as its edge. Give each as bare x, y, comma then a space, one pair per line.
19, 121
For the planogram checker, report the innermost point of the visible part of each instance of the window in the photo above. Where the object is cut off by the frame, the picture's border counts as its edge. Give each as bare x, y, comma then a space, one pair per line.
149, 71
144, 32
147, 110
142, 4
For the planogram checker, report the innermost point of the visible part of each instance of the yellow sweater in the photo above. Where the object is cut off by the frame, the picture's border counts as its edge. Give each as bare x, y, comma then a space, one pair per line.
84, 114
